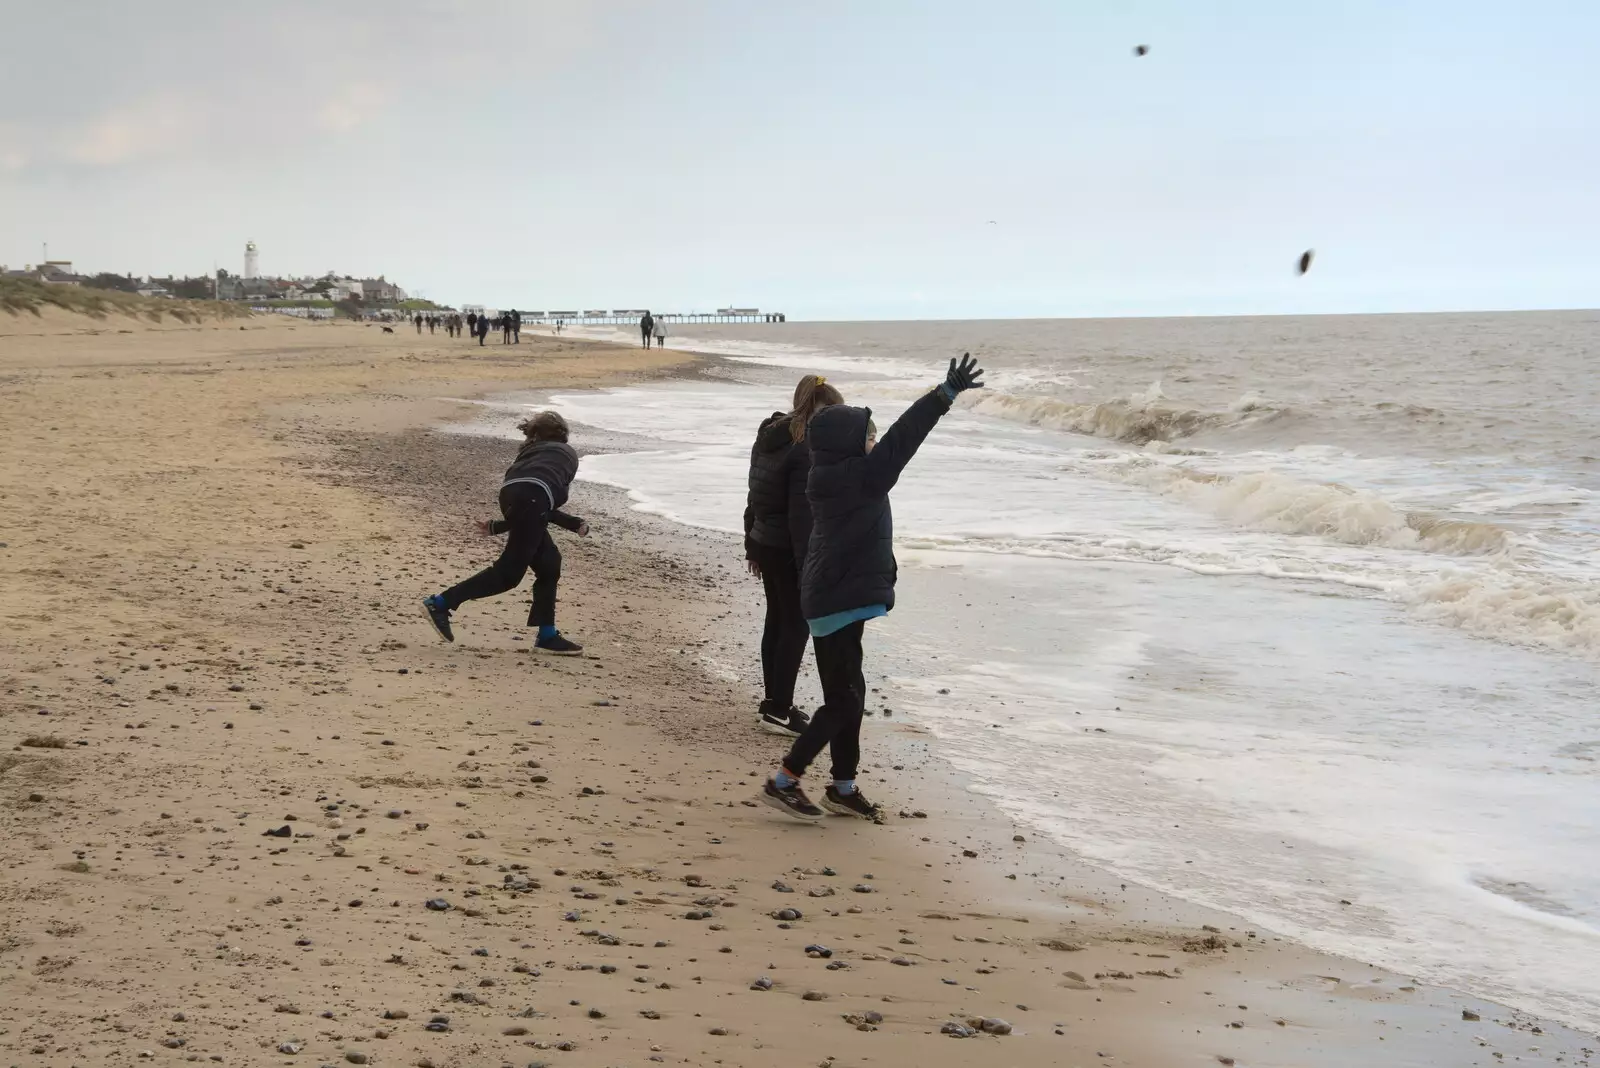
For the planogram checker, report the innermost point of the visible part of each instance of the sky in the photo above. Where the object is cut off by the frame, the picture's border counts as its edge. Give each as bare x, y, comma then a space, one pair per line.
832, 159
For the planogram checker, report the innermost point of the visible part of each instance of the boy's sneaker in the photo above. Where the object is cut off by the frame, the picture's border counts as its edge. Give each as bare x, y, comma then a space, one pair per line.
851, 804
558, 645
790, 723
439, 616
793, 801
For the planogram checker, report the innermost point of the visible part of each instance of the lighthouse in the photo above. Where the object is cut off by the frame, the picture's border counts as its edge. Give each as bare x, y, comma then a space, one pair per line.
252, 260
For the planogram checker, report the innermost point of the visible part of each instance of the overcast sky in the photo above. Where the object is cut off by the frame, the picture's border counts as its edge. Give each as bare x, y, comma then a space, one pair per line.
829, 159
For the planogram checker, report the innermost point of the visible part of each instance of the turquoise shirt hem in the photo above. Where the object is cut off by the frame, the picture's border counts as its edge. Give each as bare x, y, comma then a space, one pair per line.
826, 625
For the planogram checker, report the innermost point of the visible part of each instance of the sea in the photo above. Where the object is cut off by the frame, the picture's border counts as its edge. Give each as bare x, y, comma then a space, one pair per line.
1294, 617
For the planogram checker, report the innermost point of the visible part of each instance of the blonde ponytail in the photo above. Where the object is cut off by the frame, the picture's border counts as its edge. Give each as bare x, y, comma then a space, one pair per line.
811, 396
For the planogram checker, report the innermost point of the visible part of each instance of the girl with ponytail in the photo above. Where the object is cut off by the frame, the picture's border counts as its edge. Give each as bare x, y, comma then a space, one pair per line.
777, 528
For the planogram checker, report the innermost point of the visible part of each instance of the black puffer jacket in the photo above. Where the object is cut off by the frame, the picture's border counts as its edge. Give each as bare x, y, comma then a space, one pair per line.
776, 515
551, 464
850, 561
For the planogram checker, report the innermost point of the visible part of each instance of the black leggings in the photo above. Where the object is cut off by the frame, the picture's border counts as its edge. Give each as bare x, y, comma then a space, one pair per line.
837, 723
528, 544
784, 637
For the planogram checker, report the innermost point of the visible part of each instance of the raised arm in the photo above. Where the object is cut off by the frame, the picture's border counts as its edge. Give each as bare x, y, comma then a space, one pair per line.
900, 443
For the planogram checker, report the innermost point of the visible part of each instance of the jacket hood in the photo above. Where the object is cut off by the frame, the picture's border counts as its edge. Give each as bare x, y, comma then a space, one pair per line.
774, 433
531, 449
838, 432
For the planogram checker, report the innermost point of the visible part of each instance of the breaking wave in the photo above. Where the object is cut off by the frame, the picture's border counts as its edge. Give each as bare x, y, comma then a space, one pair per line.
1517, 607
1137, 420
1273, 502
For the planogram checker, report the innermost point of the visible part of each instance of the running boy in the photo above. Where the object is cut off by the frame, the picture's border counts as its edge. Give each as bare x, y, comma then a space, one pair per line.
849, 578
531, 497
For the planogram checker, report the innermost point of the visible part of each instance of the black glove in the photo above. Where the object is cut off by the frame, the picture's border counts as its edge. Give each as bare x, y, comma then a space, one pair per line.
964, 377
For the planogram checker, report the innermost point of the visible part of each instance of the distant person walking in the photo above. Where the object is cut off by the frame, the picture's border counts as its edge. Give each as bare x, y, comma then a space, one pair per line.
419, 322
472, 323
483, 329
516, 327
647, 329
660, 332
505, 328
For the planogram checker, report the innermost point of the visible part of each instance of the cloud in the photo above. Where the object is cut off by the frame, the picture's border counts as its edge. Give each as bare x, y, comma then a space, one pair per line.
13, 156
223, 80
158, 125
348, 107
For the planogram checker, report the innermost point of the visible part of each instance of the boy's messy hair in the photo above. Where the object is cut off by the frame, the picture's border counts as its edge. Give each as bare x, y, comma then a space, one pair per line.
544, 426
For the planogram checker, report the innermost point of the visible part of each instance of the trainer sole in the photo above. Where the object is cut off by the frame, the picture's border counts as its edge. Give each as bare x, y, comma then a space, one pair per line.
786, 810
840, 810
558, 652
779, 729
435, 624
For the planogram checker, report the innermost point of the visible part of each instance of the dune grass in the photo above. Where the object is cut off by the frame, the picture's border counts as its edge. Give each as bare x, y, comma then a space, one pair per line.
19, 295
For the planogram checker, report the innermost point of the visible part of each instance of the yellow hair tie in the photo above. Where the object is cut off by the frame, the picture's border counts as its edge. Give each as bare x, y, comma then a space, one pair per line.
821, 381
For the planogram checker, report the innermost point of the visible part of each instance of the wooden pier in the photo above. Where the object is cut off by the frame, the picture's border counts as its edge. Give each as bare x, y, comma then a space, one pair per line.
631, 316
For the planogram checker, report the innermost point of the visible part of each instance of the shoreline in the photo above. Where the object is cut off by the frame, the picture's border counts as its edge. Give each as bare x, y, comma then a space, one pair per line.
264, 544
1102, 906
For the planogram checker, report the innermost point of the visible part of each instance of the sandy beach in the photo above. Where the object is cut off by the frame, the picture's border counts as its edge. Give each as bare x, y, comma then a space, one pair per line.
256, 813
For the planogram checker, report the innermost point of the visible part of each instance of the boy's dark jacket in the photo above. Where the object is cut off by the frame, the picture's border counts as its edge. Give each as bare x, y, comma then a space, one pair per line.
551, 465
850, 558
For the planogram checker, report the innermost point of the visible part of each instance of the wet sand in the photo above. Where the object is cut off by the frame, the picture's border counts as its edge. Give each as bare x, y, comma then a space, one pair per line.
254, 769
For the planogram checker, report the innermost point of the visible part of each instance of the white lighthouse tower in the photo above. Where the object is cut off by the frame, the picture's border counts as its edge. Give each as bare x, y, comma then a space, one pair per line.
252, 260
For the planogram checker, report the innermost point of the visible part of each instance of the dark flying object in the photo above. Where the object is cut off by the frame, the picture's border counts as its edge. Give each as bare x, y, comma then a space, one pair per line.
1305, 260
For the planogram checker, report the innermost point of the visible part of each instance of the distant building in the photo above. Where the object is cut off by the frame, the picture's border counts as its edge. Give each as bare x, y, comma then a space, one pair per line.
380, 291
59, 273
250, 286
51, 272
